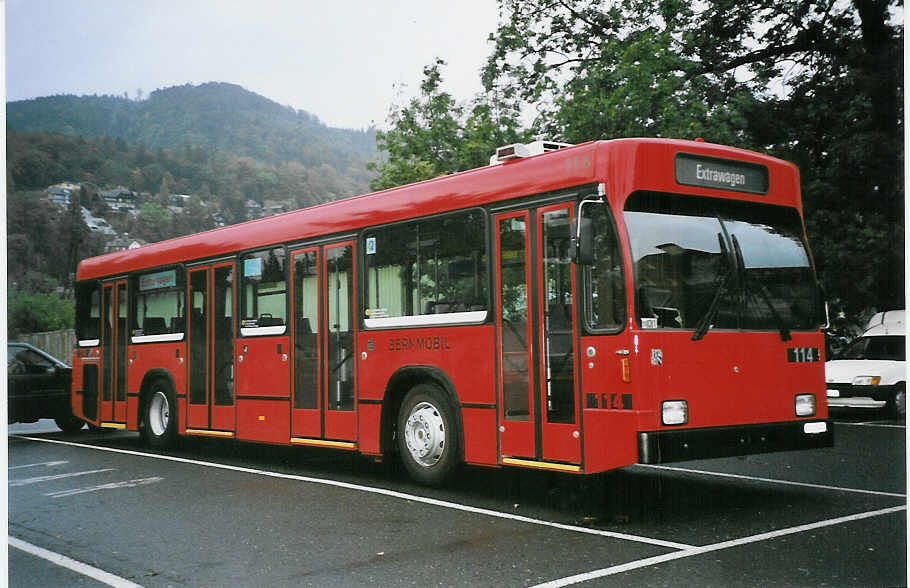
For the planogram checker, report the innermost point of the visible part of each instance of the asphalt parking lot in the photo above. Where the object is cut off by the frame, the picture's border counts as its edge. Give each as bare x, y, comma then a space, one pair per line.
98, 508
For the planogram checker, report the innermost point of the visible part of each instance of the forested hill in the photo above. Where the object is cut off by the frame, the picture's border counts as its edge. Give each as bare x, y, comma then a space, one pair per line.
219, 116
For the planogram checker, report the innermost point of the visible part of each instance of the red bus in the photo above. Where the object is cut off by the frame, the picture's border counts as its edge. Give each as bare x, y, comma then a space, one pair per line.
567, 308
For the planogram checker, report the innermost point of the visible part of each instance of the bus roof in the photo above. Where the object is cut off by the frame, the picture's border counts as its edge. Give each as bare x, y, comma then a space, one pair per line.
623, 165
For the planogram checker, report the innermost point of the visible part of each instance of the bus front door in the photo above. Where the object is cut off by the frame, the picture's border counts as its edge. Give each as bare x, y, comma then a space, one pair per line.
114, 338
210, 333
539, 411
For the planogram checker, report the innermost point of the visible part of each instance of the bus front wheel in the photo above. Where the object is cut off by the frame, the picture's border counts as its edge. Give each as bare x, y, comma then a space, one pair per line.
428, 435
160, 426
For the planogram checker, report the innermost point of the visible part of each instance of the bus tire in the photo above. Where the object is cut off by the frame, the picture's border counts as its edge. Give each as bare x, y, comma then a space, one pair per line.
69, 423
428, 435
160, 422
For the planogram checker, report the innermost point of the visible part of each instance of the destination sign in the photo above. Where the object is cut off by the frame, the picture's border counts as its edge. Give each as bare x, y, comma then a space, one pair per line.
165, 279
722, 174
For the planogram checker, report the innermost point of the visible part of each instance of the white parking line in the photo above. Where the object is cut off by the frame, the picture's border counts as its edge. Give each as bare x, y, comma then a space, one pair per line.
76, 566
34, 465
871, 424
652, 561
380, 491
770, 480
39, 479
110, 486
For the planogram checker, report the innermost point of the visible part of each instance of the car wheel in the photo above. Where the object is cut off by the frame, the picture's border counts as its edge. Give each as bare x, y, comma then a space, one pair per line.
428, 435
160, 423
897, 404
69, 423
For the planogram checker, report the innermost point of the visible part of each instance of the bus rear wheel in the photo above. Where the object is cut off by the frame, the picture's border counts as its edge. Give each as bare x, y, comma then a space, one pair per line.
160, 424
428, 435
69, 423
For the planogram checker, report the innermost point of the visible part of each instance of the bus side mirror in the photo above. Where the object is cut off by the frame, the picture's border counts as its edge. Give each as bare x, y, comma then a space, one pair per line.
581, 247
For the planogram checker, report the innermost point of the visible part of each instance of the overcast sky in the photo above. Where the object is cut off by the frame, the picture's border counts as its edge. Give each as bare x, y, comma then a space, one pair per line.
344, 61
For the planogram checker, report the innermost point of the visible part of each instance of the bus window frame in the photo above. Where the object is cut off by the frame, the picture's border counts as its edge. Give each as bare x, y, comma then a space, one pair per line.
583, 290
267, 331
133, 293
477, 317
87, 343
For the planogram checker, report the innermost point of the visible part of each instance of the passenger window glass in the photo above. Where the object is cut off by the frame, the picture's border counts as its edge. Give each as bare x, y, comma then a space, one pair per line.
265, 293
426, 268
159, 308
88, 314
604, 279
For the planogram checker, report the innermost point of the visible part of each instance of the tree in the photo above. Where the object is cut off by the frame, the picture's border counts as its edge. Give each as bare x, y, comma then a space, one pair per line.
32, 312
434, 135
76, 233
816, 82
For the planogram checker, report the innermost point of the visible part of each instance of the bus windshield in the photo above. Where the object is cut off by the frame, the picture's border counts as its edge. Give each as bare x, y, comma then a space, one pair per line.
703, 262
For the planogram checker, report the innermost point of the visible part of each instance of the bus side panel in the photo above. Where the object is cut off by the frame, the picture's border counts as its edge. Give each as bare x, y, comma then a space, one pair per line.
170, 357
368, 433
264, 369
461, 353
264, 420
479, 435
610, 439
132, 412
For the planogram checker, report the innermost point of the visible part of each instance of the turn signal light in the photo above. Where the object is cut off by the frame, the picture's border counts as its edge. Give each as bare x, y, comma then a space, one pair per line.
626, 370
867, 380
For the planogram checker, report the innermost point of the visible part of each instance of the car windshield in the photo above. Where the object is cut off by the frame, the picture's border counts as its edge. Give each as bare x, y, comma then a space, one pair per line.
728, 264
888, 348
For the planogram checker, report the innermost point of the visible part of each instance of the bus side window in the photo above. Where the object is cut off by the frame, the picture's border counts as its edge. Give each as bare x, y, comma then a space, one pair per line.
159, 303
604, 279
264, 293
88, 313
427, 267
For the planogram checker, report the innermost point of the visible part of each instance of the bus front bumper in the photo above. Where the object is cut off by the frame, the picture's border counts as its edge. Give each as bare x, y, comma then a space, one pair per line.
684, 444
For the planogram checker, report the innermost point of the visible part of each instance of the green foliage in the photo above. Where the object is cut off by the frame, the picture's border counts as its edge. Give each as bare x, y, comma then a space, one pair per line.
434, 135
200, 119
221, 143
819, 83
39, 312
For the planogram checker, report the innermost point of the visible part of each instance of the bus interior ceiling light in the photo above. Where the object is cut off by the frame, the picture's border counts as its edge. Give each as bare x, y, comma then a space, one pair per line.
519, 150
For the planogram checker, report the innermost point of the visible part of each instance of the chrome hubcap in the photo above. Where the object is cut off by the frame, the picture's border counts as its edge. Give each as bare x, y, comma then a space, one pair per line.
425, 434
159, 413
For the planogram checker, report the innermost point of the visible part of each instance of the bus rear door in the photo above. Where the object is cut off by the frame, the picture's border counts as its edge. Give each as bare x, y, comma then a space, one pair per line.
211, 406
114, 336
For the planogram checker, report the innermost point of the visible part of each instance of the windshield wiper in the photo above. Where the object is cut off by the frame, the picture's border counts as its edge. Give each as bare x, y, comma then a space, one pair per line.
762, 293
701, 328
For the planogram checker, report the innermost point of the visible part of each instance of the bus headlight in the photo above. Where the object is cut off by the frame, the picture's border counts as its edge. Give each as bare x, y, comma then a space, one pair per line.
867, 380
805, 405
674, 412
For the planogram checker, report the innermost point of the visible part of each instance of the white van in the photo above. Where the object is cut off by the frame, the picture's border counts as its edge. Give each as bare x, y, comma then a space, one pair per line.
872, 371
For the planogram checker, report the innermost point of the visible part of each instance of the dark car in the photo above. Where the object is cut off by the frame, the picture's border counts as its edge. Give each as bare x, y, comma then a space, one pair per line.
38, 387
